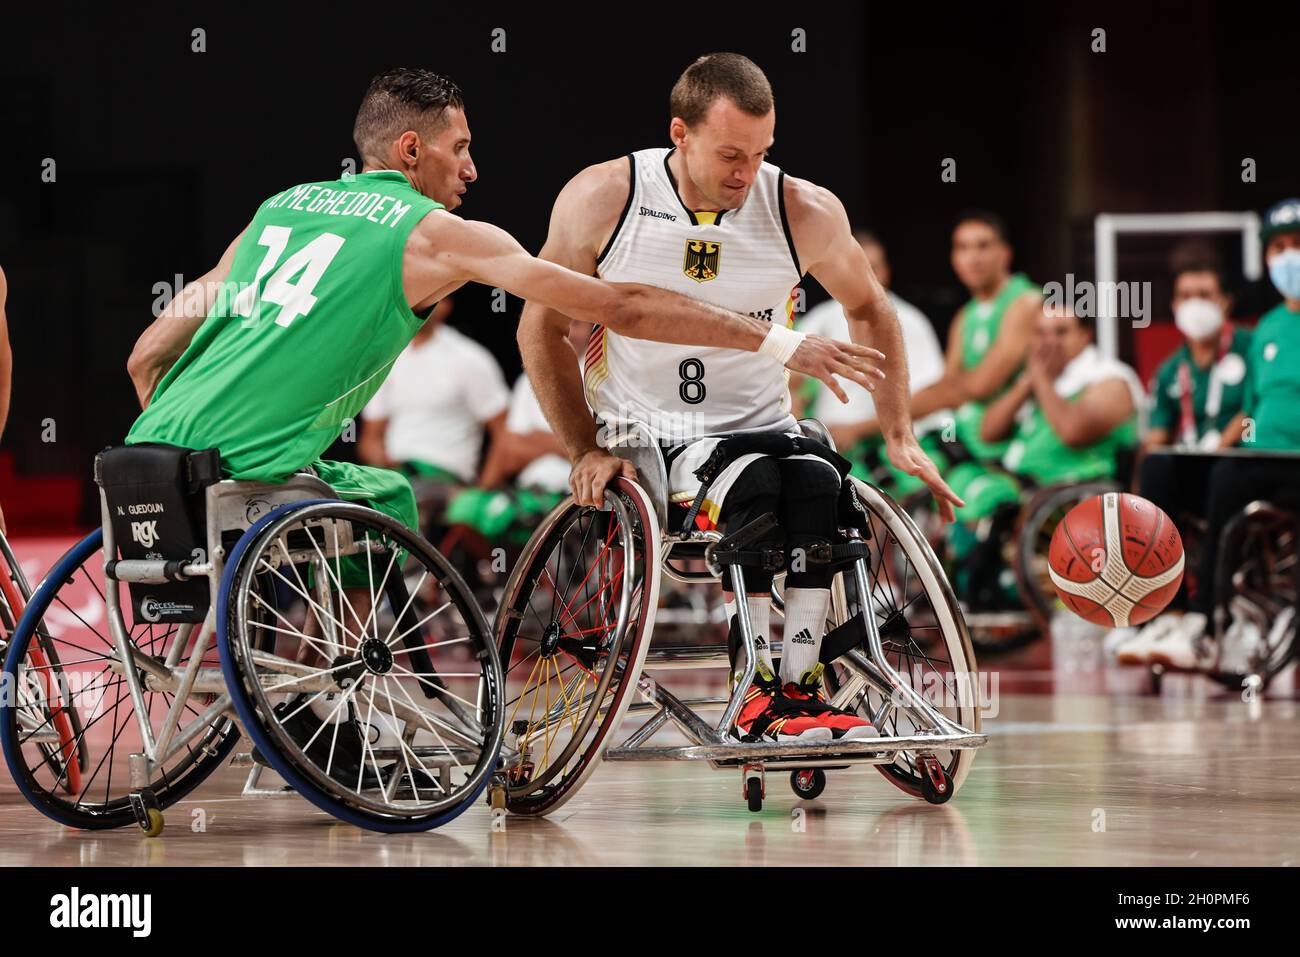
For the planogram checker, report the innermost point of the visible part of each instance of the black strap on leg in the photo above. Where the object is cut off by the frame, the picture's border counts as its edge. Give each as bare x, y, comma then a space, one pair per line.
731, 550
777, 445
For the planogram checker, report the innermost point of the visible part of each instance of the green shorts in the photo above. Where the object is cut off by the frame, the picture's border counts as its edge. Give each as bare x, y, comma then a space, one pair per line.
982, 488
502, 515
381, 489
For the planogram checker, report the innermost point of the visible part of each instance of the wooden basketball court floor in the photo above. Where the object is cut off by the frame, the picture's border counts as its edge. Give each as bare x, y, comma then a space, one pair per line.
1081, 769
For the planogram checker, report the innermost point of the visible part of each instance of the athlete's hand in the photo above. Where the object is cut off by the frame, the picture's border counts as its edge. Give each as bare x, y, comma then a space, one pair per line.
592, 471
907, 455
824, 359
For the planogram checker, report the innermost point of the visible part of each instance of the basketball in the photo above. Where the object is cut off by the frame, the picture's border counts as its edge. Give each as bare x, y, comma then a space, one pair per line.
1116, 560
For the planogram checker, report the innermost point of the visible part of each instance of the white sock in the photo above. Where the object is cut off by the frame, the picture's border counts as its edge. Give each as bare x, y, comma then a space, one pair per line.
760, 619
805, 623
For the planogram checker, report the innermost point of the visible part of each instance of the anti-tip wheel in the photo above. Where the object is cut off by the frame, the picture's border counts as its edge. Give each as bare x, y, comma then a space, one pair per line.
936, 784
808, 783
155, 823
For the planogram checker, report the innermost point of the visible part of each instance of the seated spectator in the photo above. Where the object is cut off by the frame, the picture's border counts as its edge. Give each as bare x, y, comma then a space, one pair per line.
1071, 412
429, 417
1066, 418
1198, 390
1269, 420
853, 424
525, 475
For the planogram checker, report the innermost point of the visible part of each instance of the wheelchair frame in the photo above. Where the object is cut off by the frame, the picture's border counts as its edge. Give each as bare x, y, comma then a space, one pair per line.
717, 743
231, 506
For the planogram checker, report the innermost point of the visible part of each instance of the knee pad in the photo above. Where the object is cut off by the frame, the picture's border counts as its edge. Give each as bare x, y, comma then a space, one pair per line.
756, 491
809, 503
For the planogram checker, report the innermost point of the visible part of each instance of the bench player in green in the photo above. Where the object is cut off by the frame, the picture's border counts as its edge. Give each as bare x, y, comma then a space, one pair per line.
267, 356
988, 343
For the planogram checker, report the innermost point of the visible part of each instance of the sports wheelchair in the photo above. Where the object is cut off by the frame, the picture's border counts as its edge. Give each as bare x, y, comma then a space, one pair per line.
575, 633
378, 702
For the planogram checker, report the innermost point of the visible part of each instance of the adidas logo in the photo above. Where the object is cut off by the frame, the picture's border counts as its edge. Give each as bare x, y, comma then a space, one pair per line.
802, 638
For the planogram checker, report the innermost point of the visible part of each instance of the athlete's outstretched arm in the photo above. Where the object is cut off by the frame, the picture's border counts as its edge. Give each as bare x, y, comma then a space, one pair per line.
826, 248
445, 250
160, 345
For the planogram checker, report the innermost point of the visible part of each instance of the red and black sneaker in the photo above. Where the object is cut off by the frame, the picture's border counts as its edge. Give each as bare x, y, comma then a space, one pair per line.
768, 713
843, 725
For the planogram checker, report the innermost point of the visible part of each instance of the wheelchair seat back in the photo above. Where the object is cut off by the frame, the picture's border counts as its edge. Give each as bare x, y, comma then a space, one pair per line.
153, 497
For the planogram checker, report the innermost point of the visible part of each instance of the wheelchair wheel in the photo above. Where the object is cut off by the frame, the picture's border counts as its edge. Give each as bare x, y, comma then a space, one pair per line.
379, 703
573, 631
1257, 565
63, 664
993, 631
1033, 539
924, 637
33, 695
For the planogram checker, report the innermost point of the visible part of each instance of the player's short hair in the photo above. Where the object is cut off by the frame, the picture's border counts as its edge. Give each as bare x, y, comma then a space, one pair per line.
992, 220
399, 100
715, 75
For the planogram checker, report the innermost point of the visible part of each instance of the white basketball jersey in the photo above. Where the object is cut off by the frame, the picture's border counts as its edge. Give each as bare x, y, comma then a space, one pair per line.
740, 259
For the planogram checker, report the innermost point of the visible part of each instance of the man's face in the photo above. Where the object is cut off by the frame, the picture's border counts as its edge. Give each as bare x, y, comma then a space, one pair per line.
1281, 243
724, 151
1060, 331
979, 258
441, 167
1202, 284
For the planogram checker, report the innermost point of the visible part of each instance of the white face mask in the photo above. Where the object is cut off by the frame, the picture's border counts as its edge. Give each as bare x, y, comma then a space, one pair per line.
1198, 318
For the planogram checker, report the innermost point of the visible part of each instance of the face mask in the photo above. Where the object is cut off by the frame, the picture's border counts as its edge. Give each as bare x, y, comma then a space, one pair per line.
1198, 318
1284, 270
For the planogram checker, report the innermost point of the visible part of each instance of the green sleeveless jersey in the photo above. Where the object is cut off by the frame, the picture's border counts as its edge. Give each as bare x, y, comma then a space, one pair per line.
980, 322
303, 331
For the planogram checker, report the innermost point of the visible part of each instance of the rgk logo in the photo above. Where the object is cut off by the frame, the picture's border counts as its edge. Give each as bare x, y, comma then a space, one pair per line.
146, 533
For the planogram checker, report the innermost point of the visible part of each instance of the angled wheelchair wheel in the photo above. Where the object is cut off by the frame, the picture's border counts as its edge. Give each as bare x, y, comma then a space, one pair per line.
573, 630
924, 638
1033, 539
70, 726
360, 665
1257, 570
68, 751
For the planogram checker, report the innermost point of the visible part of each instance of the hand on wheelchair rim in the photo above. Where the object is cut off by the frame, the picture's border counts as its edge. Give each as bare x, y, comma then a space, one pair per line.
593, 471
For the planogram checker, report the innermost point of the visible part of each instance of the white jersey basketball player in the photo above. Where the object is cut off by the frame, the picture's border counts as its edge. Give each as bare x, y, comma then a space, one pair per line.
712, 219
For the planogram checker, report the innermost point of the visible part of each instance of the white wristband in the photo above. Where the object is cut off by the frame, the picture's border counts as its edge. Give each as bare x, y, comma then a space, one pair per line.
781, 343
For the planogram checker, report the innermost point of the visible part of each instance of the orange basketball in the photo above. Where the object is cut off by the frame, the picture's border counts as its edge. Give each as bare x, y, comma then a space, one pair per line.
1116, 560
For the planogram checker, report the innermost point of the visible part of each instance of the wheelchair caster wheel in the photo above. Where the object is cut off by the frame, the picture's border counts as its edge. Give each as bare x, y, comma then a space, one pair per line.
148, 814
936, 785
808, 783
754, 786
496, 797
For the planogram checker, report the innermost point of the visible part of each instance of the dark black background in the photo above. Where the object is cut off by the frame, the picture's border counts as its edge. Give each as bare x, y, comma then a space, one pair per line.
163, 153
